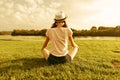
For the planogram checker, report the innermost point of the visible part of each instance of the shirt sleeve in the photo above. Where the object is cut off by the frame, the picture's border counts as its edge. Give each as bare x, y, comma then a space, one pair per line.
47, 32
70, 33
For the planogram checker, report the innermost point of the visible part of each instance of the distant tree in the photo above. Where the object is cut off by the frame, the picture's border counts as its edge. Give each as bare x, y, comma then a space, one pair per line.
117, 30
25, 32
84, 33
105, 28
5, 32
94, 29
42, 32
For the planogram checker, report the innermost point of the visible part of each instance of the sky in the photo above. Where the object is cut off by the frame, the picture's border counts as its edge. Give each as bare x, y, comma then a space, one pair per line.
39, 14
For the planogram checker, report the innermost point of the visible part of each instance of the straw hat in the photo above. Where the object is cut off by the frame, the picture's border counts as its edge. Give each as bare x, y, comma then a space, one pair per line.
60, 16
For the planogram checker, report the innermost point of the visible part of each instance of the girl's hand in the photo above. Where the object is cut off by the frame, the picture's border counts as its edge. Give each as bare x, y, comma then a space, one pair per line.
76, 46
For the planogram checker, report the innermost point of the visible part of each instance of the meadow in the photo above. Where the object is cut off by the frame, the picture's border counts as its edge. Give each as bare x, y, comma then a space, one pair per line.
21, 59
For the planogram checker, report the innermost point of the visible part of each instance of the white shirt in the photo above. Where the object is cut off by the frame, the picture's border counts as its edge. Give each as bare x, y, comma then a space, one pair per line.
59, 40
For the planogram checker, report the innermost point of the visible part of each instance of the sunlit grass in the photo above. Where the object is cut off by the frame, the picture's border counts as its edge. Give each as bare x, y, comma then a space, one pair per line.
21, 59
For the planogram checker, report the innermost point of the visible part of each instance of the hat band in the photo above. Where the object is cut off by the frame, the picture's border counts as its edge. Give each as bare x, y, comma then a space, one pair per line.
60, 19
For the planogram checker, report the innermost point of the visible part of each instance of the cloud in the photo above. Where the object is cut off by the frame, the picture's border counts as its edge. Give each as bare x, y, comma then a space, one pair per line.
2, 9
39, 13
55, 5
30, 2
39, 2
31, 13
9, 5
1, 2
21, 8
35, 13
19, 16
6, 8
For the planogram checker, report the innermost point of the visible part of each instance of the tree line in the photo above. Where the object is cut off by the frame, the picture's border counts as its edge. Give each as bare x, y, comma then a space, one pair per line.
100, 31
29, 32
5, 32
94, 31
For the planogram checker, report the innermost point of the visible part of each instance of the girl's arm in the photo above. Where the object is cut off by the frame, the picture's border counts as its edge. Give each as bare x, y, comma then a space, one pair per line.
45, 43
73, 44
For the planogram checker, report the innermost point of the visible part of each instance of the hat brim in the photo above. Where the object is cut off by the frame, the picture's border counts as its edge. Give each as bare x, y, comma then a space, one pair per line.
58, 20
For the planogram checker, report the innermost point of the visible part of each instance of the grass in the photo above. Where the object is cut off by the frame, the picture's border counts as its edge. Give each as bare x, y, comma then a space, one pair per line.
21, 59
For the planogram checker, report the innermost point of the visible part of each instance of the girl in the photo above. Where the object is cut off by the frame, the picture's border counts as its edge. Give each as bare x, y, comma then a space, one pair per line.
59, 35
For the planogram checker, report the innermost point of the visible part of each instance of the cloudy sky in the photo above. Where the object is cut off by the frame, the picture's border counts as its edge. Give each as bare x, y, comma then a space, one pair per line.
39, 14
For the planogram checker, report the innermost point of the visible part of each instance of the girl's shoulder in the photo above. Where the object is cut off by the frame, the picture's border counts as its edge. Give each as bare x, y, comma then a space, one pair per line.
52, 29
49, 29
69, 29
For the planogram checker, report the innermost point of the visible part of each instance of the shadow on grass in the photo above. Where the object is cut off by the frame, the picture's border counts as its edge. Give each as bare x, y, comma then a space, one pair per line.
23, 64
116, 63
116, 51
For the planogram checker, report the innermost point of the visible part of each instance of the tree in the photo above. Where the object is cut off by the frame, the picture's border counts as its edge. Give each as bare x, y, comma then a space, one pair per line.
94, 29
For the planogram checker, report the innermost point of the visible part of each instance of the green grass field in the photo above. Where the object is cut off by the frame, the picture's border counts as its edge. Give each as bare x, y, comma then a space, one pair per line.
21, 59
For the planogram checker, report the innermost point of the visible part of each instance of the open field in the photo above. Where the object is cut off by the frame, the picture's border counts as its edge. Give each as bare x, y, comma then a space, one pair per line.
21, 59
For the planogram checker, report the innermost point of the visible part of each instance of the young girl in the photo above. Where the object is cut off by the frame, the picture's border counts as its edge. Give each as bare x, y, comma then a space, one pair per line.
59, 35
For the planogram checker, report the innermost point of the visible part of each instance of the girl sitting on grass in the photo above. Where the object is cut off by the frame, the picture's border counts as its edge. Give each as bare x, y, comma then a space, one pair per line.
59, 35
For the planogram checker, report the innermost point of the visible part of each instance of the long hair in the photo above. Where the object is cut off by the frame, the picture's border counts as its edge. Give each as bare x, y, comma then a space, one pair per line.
54, 25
